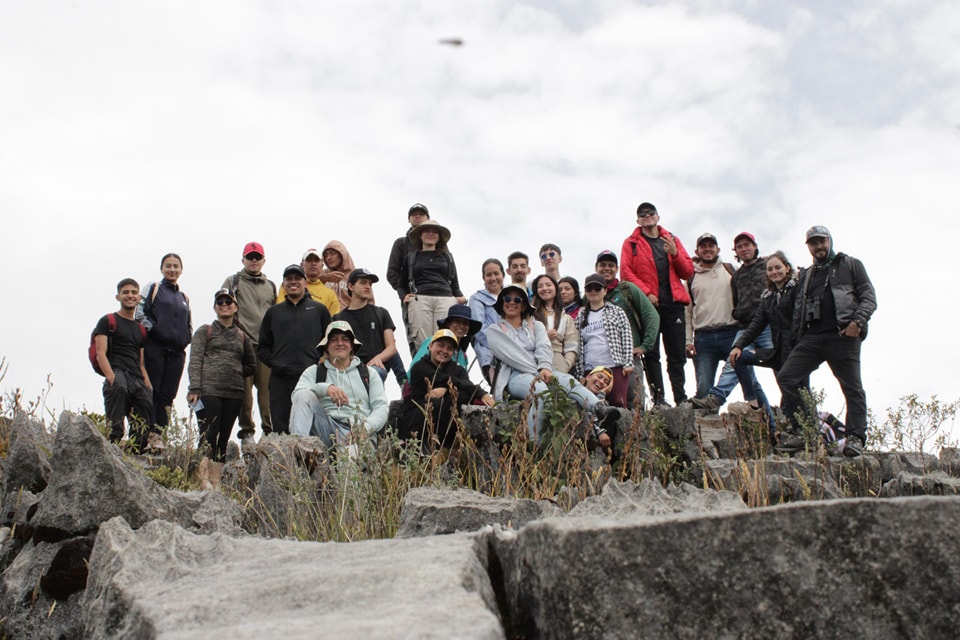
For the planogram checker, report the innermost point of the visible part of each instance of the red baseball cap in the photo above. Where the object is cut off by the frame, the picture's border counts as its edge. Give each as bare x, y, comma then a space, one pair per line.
253, 247
747, 235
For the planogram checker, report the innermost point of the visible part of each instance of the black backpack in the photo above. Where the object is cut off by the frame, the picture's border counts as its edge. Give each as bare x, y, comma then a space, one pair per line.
362, 369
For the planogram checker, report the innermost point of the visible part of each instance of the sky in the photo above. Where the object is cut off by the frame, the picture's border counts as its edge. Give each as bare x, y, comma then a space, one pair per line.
131, 129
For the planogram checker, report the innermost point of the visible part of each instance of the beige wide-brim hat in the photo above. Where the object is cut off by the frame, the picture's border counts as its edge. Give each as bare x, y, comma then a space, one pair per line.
415, 232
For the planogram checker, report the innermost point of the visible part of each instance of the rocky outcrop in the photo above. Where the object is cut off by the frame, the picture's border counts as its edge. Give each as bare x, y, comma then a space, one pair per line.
428, 512
161, 581
843, 568
628, 499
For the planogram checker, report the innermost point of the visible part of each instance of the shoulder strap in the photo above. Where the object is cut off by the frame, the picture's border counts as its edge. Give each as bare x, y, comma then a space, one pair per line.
364, 372
633, 246
321, 373
152, 292
728, 267
236, 283
112, 323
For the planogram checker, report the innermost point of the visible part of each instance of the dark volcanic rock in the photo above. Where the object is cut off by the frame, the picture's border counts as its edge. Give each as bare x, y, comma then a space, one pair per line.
28, 456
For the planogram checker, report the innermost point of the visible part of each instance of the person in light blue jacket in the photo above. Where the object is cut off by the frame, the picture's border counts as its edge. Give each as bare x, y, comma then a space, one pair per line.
343, 399
481, 306
523, 349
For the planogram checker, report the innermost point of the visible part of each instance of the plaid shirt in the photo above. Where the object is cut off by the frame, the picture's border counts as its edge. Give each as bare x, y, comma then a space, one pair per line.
616, 326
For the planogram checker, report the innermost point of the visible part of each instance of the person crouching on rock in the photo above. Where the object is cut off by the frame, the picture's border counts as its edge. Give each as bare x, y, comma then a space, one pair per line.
436, 384
338, 397
221, 356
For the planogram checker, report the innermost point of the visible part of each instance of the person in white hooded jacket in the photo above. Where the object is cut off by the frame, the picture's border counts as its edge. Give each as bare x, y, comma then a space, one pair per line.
342, 399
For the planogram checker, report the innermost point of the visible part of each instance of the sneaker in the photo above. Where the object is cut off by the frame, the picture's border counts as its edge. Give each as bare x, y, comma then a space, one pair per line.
155, 443
711, 403
789, 443
850, 447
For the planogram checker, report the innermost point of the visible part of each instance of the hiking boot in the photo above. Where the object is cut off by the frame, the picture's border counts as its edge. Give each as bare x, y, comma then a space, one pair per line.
850, 447
789, 443
154, 444
711, 403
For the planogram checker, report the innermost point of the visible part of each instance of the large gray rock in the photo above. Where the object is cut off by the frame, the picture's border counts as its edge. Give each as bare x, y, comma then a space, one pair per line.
162, 581
428, 511
912, 484
893, 463
843, 568
28, 456
622, 499
91, 482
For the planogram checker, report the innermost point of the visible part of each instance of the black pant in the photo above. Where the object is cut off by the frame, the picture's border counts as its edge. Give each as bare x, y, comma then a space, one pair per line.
165, 368
281, 390
216, 423
673, 328
842, 355
127, 395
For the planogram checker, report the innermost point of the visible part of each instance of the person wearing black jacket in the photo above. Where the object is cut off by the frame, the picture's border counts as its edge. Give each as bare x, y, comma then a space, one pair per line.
289, 335
436, 382
398, 259
835, 300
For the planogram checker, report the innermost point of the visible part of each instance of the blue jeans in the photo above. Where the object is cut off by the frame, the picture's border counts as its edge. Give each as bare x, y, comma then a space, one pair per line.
713, 347
519, 387
309, 418
728, 377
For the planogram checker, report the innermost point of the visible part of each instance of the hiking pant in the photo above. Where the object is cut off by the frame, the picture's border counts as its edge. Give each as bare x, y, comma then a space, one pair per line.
519, 387
261, 380
673, 329
165, 368
309, 418
128, 395
423, 312
216, 422
842, 355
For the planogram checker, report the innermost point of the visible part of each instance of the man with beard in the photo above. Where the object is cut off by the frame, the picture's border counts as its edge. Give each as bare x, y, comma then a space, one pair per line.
835, 301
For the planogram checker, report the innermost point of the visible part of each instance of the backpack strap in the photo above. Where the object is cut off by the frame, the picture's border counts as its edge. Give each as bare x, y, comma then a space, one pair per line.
362, 369
633, 247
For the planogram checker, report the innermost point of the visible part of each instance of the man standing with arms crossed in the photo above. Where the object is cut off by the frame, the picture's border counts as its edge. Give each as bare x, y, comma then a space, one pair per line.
254, 294
834, 303
655, 260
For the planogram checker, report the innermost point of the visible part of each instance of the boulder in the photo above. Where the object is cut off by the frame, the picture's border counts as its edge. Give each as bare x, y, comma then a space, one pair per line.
893, 463
622, 499
428, 511
162, 581
91, 482
838, 568
28, 456
937, 483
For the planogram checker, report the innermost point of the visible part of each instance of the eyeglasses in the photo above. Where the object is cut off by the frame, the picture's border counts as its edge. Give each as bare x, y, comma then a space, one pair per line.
224, 302
548, 254
594, 287
254, 256
513, 299
646, 213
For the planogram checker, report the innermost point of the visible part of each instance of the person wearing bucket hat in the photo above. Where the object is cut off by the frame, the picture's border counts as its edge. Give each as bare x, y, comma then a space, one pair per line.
337, 400
221, 357
429, 285
460, 320
288, 341
521, 344
430, 395
835, 301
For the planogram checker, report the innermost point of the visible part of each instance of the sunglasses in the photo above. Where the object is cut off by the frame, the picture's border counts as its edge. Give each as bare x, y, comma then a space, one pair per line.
513, 299
548, 254
594, 287
646, 213
224, 302
254, 256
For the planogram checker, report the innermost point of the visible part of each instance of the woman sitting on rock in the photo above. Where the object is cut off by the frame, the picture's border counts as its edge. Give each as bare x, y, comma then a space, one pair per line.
436, 384
605, 339
521, 345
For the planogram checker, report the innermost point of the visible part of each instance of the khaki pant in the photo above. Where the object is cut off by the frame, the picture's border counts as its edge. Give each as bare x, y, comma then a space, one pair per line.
423, 312
260, 380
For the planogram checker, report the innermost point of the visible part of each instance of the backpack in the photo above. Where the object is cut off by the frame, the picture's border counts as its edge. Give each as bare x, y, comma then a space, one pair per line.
362, 369
112, 328
730, 270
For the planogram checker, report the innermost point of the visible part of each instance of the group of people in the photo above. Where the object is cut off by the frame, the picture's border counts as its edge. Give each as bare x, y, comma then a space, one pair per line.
317, 350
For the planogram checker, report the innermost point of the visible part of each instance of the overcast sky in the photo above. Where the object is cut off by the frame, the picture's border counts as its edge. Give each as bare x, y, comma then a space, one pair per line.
130, 129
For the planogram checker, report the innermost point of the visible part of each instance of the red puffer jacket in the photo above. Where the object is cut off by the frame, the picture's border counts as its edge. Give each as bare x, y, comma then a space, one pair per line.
637, 266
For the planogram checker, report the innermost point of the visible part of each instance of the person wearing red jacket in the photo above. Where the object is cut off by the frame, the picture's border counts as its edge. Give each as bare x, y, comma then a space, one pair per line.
654, 259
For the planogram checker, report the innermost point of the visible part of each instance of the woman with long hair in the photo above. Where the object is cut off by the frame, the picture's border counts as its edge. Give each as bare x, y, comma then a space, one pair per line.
520, 343
561, 328
605, 339
166, 315
337, 266
429, 284
481, 306
570, 297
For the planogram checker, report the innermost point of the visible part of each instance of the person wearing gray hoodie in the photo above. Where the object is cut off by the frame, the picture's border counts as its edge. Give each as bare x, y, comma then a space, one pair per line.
337, 405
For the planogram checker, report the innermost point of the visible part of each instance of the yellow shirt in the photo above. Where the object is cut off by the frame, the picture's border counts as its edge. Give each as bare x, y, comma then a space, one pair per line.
320, 293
